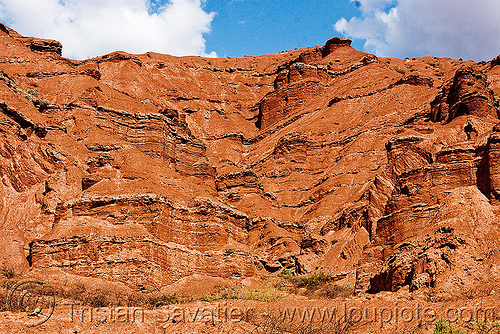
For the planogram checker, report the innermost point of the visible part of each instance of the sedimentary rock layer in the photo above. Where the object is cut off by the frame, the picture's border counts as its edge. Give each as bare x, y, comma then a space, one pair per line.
144, 169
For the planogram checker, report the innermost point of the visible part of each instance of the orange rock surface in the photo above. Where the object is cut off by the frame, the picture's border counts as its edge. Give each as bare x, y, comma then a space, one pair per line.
147, 169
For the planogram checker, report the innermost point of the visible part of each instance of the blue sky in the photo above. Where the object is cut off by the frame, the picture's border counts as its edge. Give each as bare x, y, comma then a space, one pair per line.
254, 27
468, 29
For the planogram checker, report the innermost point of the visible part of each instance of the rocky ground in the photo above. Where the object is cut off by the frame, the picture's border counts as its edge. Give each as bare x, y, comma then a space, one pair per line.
158, 175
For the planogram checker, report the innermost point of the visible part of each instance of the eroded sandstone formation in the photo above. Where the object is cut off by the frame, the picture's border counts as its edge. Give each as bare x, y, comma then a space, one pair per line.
144, 169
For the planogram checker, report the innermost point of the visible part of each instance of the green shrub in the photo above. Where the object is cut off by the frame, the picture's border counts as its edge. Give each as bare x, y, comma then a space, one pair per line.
312, 280
445, 327
317, 284
31, 94
309, 281
286, 274
43, 104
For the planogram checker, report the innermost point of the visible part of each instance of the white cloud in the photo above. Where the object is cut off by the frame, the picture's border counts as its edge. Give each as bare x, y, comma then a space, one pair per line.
468, 29
89, 28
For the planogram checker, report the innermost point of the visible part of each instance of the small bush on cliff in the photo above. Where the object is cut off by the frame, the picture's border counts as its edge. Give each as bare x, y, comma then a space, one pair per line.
313, 280
316, 284
32, 95
43, 104
309, 281
286, 274
445, 327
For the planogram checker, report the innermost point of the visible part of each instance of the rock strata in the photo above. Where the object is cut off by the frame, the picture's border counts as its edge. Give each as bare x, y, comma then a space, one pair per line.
145, 170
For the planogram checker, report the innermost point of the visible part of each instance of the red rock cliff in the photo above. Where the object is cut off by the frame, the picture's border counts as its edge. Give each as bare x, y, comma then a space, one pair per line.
144, 169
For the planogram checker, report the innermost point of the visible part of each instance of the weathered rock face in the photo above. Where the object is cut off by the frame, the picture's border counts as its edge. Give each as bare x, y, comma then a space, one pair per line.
466, 94
144, 169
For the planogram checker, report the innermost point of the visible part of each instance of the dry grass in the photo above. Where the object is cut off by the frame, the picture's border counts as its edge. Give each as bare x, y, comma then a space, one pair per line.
106, 297
316, 284
276, 324
30, 94
265, 293
445, 327
98, 297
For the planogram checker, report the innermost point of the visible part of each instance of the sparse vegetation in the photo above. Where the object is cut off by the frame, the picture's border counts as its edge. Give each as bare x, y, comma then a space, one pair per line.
43, 104
30, 94
276, 323
161, 300
107, 297
312, 280
264, 293
445, 327
317, 284
33, 96
484, 326
399, 70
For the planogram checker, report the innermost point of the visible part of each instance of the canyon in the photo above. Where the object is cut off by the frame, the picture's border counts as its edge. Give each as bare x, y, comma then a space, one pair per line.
143, 171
